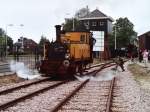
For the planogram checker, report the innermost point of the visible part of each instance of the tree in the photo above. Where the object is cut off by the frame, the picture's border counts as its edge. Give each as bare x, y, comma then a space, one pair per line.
3, 37
2, 32
82, 12
68, 25
124, 30
10, 43
43, 40
41, 43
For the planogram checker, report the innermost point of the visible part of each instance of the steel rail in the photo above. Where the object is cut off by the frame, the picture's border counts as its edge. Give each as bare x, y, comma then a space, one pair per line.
98, 65
110, 95
17, 100
23, 86
111, 62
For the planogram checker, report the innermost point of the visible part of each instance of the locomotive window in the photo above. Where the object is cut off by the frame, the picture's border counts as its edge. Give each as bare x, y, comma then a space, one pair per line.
82, 38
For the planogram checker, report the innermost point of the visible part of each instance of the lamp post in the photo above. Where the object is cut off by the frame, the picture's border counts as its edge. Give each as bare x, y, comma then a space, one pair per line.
6, 39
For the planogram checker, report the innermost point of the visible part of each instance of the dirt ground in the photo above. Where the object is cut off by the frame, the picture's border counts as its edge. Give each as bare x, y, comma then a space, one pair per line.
141, 75
9, 79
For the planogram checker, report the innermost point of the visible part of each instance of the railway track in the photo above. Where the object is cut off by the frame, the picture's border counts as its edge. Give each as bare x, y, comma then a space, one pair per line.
10, 89
11, 99
73, 101
6, 104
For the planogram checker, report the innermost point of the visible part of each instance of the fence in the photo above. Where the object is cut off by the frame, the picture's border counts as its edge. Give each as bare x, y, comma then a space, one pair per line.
29, 60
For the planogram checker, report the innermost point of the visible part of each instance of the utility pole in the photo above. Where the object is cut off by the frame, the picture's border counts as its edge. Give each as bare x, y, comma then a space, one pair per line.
73, 27
115, 39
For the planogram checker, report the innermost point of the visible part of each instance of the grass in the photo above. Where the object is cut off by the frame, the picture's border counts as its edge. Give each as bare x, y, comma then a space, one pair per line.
141, 75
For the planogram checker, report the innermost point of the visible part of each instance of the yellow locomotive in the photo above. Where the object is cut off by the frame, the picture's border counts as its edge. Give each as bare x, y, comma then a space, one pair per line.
69, 54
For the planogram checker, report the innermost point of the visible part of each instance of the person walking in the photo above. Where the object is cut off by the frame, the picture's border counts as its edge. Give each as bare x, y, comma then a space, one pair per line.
145, 57
120, 62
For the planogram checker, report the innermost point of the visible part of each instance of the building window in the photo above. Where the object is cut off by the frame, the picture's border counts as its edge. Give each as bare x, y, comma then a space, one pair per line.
94, 23
101, 23
86, 24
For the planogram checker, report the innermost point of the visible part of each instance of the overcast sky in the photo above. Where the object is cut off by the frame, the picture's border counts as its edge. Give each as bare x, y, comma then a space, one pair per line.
40, 16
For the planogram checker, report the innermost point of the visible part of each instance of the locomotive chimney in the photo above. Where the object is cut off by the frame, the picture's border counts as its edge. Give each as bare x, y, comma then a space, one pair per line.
58, 32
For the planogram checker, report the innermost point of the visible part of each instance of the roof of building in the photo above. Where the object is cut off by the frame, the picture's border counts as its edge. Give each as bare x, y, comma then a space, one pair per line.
25, 41
96, 14
148, 32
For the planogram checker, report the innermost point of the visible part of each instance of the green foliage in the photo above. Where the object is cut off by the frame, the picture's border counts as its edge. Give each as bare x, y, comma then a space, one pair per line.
2, 33
82, 12
3, 37
124, 32
41, 44
68, 26
42, 41
10, 43
2, 40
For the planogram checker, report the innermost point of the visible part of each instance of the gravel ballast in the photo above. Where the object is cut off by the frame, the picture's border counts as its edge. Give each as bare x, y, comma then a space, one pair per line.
128, 96
91, 98
44, 102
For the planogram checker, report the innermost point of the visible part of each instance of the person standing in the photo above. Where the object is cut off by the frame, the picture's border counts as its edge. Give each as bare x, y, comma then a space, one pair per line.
148, 55
145, 57
140, 56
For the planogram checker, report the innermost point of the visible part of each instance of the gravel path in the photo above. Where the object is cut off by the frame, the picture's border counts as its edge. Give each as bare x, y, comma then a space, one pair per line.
128, 96
45, 101
145, 100
127, 93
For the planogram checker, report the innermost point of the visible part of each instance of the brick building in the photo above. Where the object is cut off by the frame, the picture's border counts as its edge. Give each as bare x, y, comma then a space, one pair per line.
25, 45
144, 41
